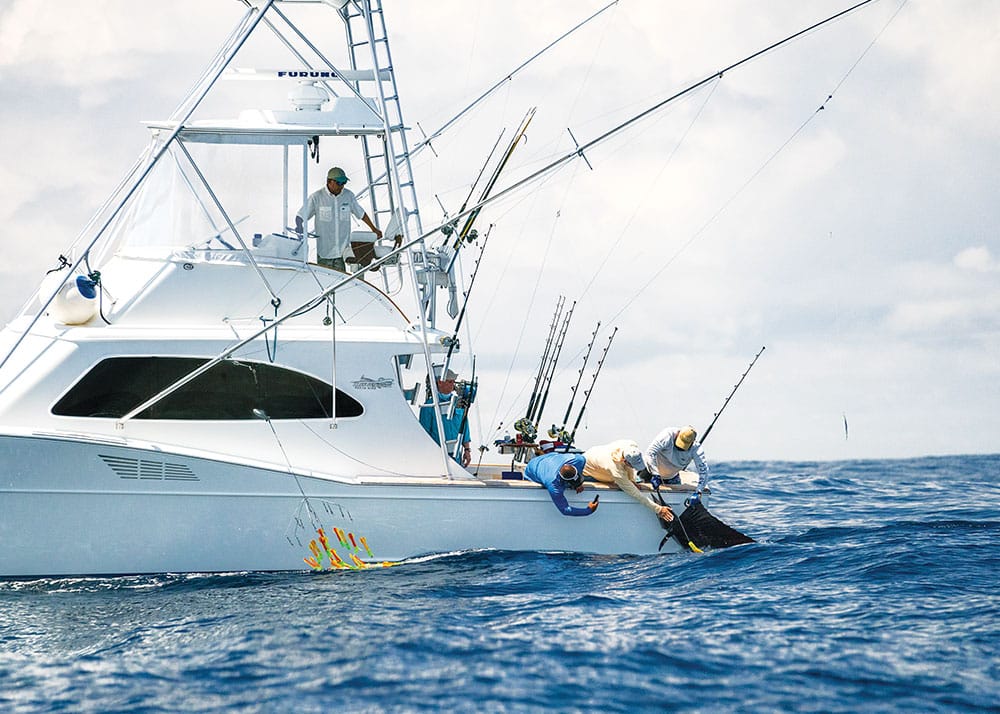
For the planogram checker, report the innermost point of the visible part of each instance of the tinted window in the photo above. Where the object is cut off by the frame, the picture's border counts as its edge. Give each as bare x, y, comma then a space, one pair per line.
231, 389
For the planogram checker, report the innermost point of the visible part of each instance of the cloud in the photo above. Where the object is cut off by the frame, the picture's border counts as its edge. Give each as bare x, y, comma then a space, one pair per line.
99, 41
956, 57
864, 256
948, 300
977, 259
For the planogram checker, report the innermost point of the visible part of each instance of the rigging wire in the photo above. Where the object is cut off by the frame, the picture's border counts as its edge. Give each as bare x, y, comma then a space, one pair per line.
507, 79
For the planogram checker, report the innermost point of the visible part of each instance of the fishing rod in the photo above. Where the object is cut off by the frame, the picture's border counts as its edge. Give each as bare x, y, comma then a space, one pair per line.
537, 418
587, 393
524, 425
466, 231
553, 361
549, 341
560, 432
450, 228
465, 303
719, 413
518, 135
466, 396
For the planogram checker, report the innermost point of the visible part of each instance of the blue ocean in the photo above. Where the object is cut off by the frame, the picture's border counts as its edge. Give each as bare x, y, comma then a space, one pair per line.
873, 587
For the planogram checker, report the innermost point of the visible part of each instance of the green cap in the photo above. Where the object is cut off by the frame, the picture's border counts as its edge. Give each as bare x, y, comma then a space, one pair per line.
336, 174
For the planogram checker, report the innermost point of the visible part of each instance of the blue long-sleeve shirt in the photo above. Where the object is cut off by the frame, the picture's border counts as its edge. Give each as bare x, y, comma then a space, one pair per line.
545, 470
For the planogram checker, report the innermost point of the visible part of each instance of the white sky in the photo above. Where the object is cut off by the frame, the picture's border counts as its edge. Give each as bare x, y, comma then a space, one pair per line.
865, 255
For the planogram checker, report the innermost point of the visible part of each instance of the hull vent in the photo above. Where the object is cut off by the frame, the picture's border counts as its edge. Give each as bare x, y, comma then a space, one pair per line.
148, 470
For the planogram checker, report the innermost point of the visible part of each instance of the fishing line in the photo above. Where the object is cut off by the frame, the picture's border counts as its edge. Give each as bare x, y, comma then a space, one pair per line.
667, 162
732, 198
505, 105
650, 187
594, 54
472, 351
351, 457
262, 415
534, 292
534, 196
866, 50
697, 234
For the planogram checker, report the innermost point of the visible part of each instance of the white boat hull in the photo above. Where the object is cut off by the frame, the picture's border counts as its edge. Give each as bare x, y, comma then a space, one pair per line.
76, 507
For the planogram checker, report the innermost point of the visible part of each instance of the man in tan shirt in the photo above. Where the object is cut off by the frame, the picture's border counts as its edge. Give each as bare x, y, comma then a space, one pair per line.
616, 463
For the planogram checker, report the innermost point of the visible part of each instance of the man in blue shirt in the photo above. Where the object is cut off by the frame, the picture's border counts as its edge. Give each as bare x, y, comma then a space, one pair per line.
557, 472
452, 424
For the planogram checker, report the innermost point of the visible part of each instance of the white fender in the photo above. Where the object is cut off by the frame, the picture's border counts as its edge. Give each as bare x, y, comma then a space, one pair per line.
76, 302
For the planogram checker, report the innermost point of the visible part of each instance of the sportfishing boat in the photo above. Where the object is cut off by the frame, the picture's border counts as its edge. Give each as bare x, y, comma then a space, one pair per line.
192, 392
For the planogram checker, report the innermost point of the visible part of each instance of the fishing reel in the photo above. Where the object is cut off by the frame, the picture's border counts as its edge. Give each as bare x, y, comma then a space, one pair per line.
466, 393
526, 429
558, 433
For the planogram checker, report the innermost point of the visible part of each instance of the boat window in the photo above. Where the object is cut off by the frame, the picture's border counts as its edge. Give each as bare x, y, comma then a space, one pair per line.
231, 389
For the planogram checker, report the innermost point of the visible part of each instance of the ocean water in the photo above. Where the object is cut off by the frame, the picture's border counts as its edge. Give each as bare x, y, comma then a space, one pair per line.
873, 588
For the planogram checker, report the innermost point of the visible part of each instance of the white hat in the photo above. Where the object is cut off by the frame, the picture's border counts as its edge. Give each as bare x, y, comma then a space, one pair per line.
633, 457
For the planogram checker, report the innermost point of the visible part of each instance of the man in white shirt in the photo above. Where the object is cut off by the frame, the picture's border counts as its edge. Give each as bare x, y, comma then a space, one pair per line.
333, 207
671, 452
